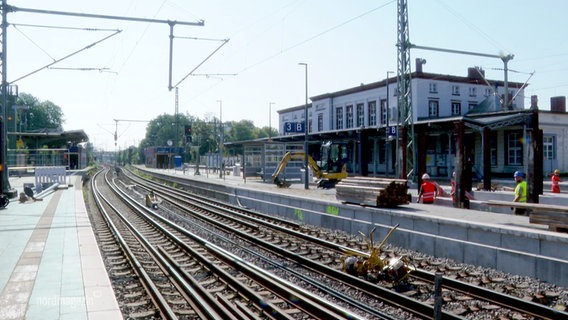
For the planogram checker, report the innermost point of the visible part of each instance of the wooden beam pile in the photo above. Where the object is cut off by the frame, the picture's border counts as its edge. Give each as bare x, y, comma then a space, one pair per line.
556, 217
556, 221
380, 192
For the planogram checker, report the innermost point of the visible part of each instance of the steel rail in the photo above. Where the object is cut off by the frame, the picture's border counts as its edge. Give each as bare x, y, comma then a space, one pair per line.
321, 286
392, 298
523, 306
300, 298
158, 299
507, 301
197, 296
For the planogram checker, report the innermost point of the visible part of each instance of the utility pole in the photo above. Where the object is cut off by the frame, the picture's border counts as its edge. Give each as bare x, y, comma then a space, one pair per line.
404, 95
176, 113
306, 127
270, 121
4, 181
387, 129
220, 138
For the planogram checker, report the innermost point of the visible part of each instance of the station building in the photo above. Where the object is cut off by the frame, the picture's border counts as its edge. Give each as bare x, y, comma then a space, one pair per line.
449, 112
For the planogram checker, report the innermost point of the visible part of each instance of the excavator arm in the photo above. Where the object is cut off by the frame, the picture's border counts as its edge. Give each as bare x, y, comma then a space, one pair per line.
299, 155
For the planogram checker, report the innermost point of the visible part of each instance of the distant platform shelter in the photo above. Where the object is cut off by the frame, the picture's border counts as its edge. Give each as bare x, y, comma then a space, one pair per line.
161, 157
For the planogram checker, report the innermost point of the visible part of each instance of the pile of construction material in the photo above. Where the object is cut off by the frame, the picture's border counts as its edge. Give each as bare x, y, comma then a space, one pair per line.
380, 192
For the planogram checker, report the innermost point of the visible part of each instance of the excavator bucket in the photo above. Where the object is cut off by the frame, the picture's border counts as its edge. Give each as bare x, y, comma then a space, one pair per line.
281, 183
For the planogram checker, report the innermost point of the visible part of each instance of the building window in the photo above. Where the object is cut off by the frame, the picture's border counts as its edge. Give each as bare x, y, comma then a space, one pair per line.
514, 154
471, 106
433, 87
320, 121
487, 92
472, 91
384, 112
360, 115
455, 90
349, 112
339, 118
456, 108
372, 106
549, 147
433, 108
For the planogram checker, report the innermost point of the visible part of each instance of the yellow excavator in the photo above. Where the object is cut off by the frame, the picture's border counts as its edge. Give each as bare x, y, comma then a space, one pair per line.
332, 167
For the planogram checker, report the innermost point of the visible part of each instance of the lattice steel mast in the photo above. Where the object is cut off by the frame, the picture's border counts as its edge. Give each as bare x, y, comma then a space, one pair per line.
404, 95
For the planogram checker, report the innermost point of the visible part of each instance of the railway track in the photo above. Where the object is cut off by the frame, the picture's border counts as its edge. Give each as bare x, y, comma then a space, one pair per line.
462, 299
190, 277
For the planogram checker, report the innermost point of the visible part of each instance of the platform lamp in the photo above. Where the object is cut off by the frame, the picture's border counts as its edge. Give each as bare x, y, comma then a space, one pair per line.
387, 129
306, 182
270, 121
220, 138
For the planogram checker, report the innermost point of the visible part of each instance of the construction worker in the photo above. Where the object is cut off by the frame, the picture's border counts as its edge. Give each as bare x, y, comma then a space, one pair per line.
453, 184
520, 192
428, 190
555, 180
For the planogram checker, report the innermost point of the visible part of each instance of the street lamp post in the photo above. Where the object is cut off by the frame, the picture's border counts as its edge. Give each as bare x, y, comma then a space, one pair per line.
270, 120
387, 129
306, 182
220, 138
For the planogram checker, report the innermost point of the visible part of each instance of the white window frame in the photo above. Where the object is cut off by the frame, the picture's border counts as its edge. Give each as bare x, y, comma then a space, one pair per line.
339, 118
455, 90
456, 108
384, 112
472, 91
514, 148
349, 115
372, 111
433, 87
433, 108
549, 147
360, 115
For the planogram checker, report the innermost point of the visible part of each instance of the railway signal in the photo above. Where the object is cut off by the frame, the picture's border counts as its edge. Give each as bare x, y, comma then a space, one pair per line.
187, 131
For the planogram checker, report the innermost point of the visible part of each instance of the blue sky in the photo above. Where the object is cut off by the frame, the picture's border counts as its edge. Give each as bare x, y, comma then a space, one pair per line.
344, 43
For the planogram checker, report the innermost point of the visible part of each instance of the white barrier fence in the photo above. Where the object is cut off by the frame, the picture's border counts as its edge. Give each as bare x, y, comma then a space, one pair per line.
50, 175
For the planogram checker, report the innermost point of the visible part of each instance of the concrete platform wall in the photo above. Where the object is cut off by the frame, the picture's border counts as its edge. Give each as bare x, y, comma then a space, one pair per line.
538, 254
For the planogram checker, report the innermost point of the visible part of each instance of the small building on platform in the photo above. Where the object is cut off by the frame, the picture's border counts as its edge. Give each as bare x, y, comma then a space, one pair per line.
47, 147
163, 157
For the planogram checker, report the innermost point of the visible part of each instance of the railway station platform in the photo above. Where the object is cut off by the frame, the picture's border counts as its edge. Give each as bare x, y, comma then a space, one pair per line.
50, 265
485, 236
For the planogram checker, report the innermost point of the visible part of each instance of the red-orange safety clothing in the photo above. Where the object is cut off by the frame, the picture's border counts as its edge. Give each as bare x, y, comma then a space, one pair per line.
428, 192
555, 183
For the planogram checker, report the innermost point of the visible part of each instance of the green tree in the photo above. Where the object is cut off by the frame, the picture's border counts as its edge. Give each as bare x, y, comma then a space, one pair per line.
265, 132
240, 131
205, 133
40, 114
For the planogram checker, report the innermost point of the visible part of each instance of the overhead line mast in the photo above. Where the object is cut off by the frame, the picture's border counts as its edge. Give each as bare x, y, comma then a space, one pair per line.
404, 96
5, 90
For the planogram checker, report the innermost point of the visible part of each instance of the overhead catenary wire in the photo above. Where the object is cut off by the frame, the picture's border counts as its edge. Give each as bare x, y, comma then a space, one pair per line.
67, 56
300, 43
83, 69
202, 62
315, 36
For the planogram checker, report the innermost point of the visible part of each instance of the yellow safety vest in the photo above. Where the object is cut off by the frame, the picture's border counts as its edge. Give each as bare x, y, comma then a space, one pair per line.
521, 189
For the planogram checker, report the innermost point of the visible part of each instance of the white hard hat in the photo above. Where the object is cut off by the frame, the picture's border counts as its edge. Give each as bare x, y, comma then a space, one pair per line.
425, 176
